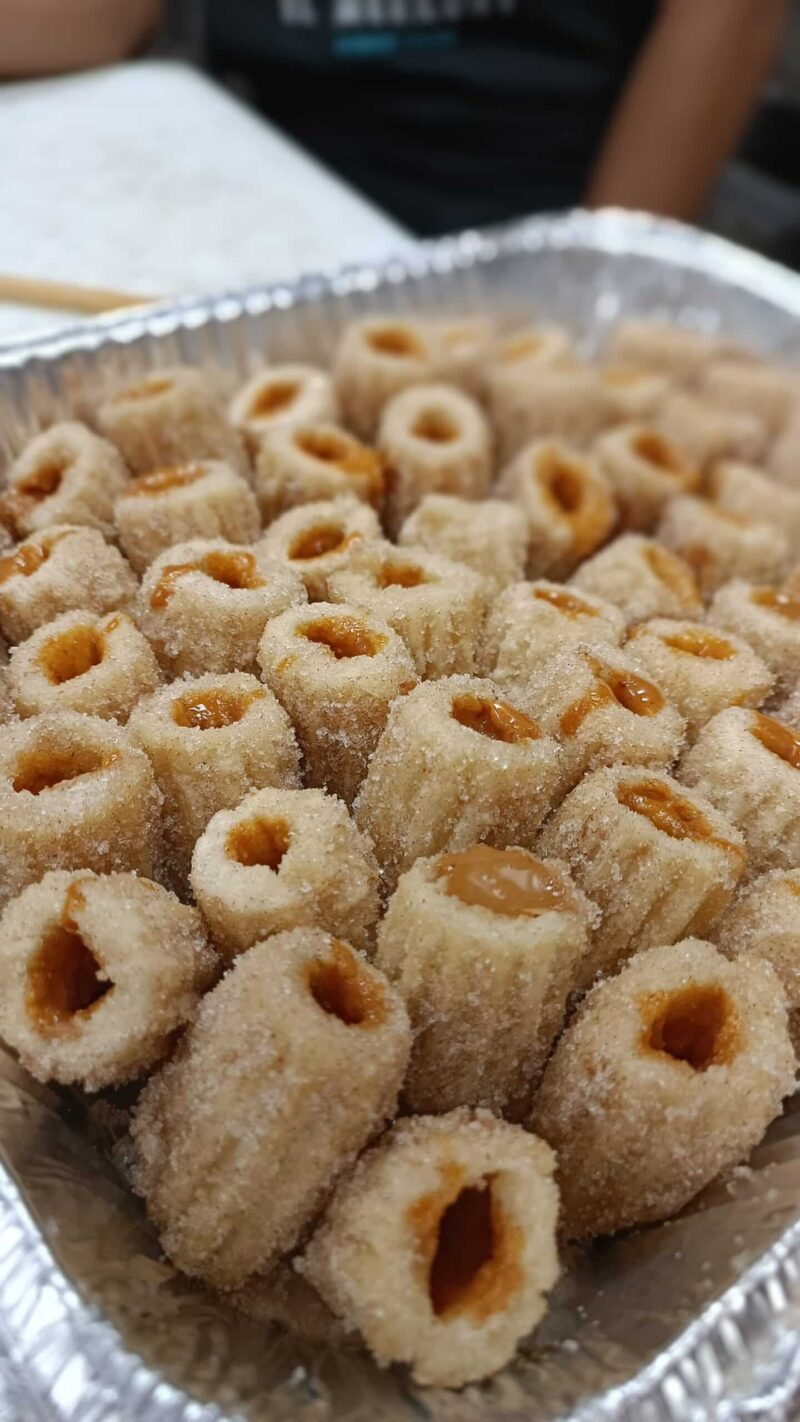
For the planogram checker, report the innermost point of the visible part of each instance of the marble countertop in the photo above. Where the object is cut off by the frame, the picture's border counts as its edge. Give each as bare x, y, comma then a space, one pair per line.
148, 178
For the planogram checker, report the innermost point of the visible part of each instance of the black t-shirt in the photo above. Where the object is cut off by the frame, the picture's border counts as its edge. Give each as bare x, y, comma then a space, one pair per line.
447, 113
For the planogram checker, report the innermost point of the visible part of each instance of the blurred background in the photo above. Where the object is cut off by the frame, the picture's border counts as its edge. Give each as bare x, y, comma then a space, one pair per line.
217, 143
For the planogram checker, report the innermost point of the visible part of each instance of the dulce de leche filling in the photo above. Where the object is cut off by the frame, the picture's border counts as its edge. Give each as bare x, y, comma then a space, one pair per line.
273, 398
343, 637
698, 642
163, 481
347, 454
673, 814
29, 557
236, 569
495, 719
783, 603
342, 986
612, 686
71, 654
65, 980
24, 496
776, 737
213, 709
397, 341
654, 449
468, 1247
673, 573
506, 881
696, 1025
41, 768
565, 602
321, 539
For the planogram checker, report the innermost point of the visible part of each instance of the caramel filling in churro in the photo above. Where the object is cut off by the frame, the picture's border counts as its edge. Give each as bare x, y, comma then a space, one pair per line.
401, 575
495, 719
506, 881
469, 1246
436, 427
71, 654
343, 637
347, 454
777, 738
701, 644
629, 691
259, 842
671, 814
672, 573
39, 770
211, 710
316, 542
64, 979
237, 570
565, 602
161, 481
340, 987
24, 496
394, 341
782, 603
656, 450
29, 557
696, 1025
147, 390
274, 399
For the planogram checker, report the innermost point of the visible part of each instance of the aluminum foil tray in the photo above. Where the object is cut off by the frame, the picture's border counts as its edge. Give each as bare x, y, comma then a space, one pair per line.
697, 1318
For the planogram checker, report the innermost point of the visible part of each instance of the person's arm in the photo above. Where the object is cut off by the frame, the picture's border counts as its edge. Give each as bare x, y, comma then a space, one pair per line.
686, 104
54, 36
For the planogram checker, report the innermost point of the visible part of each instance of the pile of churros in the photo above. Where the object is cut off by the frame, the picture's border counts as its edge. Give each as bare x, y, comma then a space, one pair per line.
400, 785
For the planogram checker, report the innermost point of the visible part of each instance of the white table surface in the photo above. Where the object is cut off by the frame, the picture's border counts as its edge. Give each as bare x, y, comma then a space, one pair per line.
149, 178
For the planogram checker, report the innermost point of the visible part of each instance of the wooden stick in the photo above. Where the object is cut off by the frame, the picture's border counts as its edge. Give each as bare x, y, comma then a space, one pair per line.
63, 296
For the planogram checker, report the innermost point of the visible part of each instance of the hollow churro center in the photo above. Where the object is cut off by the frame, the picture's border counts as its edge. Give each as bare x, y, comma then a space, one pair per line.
782, 603
776, 737
397, 341
27, 559
654, 449
563, 482
697, 642
211, 710
435, 426
317, 541
163, 481
671, 813
612, 685
343, 636
273, 399
40, 769
147, 389
259, 842
495, 719
64, 980
71, 654
469, 1247
506, 881
401, 575
672, 572
340, 985
565, 602
696, 1024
